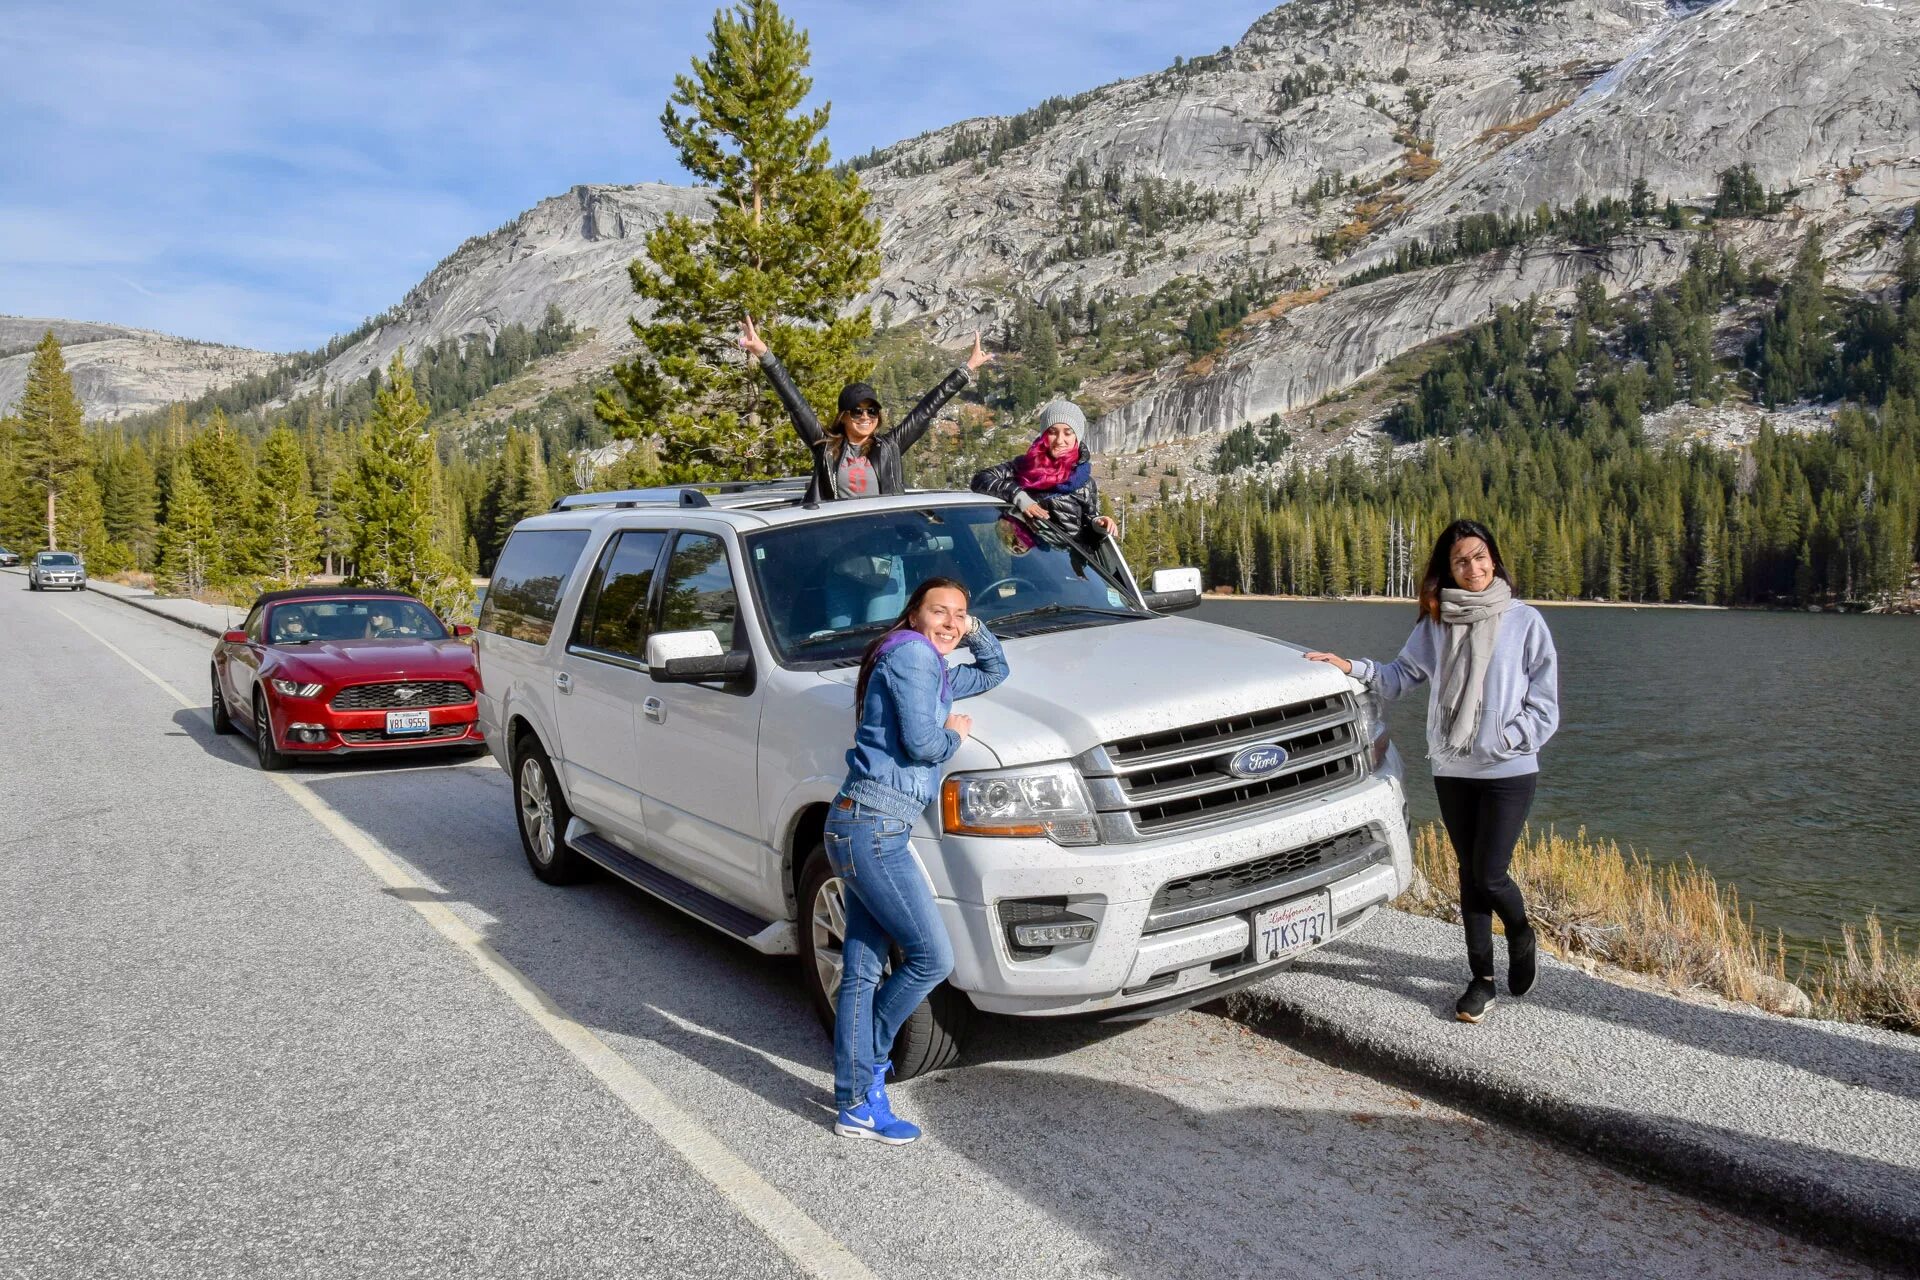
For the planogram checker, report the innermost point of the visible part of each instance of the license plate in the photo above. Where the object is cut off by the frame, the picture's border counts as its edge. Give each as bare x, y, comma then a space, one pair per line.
408, 722
1295, 925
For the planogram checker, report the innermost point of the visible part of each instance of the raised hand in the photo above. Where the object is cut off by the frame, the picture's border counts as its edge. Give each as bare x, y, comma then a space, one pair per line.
750, 339
977, 356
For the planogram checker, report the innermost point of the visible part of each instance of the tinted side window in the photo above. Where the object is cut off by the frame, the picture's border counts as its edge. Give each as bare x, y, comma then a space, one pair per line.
700, 593
615, 617
528, 581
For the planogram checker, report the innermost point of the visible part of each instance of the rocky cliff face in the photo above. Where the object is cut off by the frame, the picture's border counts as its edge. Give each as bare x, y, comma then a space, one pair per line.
118, 371
1380, 120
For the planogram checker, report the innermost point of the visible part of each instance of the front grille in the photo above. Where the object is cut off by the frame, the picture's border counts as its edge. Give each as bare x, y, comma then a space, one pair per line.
1180, 778
387, 697
360, 737
1248, 883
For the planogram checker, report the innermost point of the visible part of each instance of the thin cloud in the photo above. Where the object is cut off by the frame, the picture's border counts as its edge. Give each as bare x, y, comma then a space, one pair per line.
269, 174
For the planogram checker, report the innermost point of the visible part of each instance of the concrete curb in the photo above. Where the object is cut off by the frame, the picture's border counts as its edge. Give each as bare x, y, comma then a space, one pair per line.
108, 592
1693, 1158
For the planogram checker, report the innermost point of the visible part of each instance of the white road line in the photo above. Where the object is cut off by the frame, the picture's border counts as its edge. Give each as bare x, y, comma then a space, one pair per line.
797, 1235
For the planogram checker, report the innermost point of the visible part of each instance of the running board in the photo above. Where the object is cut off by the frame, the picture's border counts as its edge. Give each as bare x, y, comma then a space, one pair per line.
775, 938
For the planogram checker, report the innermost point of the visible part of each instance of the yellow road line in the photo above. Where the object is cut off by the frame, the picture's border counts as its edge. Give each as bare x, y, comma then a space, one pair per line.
797, 1235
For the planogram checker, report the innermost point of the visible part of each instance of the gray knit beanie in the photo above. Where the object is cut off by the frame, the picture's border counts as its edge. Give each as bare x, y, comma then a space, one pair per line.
1064, 411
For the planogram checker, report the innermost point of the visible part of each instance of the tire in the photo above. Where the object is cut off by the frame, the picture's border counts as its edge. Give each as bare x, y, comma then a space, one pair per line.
271, 758
540, 813
222, 721
931, 1037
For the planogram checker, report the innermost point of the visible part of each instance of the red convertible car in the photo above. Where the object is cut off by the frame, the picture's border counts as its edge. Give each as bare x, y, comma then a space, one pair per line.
344, 671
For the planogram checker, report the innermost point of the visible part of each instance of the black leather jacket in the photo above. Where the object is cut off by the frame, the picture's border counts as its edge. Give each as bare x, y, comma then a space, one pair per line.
883, 451
1070, 512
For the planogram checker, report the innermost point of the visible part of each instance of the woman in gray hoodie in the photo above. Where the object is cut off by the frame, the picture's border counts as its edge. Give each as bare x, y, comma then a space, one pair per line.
1493, 703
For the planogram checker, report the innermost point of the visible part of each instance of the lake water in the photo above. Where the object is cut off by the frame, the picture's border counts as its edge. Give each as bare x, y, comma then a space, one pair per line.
1780, 750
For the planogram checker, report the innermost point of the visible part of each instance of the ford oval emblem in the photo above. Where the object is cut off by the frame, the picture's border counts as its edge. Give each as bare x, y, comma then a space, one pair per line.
1257, 762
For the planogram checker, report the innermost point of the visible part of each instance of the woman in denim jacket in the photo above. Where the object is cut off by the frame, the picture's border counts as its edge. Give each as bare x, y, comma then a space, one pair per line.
904, 732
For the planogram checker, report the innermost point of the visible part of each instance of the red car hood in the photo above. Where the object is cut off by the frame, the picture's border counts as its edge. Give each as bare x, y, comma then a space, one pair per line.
332, 661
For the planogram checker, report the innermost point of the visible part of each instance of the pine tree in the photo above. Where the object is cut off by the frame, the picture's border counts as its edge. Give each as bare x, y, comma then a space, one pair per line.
49, 444
189, 541
790, 244
223, 465
390, 501
131, 502
283, 535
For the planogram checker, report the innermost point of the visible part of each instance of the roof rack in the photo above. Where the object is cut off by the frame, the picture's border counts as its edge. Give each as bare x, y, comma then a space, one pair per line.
686, 495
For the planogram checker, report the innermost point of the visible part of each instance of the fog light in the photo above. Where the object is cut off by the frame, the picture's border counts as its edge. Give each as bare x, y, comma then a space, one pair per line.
1054, 935
307, 732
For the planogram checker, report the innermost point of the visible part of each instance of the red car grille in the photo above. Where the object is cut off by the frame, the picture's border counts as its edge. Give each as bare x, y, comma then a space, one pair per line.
401, 695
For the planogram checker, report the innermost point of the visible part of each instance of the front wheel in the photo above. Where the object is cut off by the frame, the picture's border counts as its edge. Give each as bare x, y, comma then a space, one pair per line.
222, 722
269, 754
931, 1037
543, 815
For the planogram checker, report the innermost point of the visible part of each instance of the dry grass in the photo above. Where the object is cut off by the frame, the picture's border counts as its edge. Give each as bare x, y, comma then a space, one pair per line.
1514, 130
1680, 926
1284, 303
1874, 979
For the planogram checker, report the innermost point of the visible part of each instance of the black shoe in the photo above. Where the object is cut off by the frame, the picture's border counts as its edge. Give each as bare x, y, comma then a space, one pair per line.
1523, 962
1475, 1001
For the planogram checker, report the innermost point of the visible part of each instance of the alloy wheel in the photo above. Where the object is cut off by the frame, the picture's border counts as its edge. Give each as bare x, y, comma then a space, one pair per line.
829, 925
536, 809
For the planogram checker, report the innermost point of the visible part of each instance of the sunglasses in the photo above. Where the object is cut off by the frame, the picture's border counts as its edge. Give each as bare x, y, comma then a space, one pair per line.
865, 411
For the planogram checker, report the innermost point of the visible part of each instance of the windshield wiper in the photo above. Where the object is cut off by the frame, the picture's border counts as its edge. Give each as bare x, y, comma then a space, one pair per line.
838, 637
1057, 609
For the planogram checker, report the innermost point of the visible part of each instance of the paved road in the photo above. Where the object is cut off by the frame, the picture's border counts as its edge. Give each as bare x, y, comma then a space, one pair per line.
327, 1024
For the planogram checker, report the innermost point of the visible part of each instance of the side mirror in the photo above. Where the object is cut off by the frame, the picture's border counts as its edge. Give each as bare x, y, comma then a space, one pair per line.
693, 657
461, 631
234, 637
1172, 590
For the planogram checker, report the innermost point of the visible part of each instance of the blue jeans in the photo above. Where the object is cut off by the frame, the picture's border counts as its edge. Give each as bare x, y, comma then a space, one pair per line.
889, 904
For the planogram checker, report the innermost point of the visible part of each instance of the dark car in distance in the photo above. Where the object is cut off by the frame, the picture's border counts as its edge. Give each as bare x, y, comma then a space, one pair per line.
345, 671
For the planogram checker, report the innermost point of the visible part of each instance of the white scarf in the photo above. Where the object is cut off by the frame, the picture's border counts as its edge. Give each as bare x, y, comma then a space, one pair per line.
1471, 619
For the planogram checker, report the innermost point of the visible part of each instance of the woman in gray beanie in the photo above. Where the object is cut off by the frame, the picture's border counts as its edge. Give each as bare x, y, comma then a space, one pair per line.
1053, 479
851, 459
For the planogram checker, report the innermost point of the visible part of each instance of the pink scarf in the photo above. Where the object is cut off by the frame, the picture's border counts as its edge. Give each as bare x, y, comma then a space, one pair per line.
1039, 469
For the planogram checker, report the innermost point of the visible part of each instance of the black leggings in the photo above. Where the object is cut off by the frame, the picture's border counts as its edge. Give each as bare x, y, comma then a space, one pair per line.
1483, 817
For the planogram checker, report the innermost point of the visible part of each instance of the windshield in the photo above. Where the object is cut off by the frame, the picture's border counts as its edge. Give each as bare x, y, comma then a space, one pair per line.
58, 557
378, 619
828, 587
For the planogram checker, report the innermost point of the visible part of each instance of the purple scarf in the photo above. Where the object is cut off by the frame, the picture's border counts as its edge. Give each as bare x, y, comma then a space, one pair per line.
907, 635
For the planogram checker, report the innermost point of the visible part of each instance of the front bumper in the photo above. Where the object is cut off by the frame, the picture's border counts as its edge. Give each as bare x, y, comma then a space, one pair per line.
1133, 962
343, 733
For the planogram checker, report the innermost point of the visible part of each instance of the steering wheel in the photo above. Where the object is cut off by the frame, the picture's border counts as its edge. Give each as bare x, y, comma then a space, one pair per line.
392, 633
1013, 581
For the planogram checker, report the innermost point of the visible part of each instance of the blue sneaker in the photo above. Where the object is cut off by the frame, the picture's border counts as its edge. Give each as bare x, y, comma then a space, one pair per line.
864, 1121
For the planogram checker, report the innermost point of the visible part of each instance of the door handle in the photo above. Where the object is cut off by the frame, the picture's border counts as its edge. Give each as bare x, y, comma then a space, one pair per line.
563, 682
655, 710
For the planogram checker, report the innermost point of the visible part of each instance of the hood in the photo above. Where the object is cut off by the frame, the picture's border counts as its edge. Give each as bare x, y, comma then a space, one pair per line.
332, 660
1069, 691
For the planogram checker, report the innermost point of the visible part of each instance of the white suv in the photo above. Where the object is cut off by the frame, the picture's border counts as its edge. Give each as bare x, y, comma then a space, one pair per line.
1151, 810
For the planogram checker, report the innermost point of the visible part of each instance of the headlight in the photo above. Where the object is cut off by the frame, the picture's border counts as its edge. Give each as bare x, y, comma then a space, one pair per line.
293, 690
1040, 800
1372, 725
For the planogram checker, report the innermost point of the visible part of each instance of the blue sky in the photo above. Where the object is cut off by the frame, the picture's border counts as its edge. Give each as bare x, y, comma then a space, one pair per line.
267, 174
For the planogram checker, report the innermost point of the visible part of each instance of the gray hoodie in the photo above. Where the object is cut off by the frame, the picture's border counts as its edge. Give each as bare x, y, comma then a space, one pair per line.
1521, 705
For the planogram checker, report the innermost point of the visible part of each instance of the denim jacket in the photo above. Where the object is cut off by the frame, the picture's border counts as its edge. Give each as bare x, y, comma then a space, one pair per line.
902, 738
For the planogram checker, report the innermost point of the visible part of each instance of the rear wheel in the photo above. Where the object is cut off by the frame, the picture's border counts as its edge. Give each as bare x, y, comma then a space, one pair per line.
932, 1035
222, 722
263, 745
543, 815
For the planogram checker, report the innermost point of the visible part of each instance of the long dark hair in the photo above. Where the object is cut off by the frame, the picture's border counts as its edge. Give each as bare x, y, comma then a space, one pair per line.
905, 620
1440, 564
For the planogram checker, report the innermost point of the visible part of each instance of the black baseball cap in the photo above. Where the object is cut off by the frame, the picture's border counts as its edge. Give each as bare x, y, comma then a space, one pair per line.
855, 394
